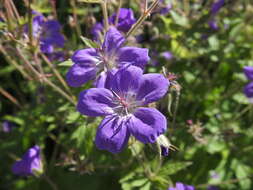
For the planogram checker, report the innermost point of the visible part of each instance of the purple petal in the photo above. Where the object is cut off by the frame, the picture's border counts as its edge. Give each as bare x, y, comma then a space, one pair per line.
248, 90
30, 161
125, 20
104, 79
213, 25
165, 151
248, 71
126, 80
113, 41
152, 88
180, 186
189, 187
86, 56
216, 6
165, 10
95, 102
51, 26
97, 30
79, 74
167, 55
147, 124
112, 134
133, 55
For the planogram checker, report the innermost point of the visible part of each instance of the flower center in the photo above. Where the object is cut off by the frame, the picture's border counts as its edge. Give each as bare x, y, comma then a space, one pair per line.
125, 104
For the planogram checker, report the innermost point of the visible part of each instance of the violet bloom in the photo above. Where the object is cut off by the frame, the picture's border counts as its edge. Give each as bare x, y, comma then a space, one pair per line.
165, 151
30, 164
47, 33
216, 6
122, 105
166, 9
248, 89
167, 55
212, 187
181, 186
213, 24
125, 21
7, 126
90, 63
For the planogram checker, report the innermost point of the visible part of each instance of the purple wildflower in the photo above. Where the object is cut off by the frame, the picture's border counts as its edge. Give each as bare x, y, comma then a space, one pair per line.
125, 21
248, 89
181, 186
165, 151
216, 6
213, 25
30, 164
121, 102
248, 71
212, 187
7, 126
46, 32
166, 9
167, 55
88, 63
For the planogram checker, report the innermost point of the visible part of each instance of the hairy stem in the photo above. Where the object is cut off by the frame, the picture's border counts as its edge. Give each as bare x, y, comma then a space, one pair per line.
118, 11
105, 14
142, 18
55, 71
13, 62
48, 82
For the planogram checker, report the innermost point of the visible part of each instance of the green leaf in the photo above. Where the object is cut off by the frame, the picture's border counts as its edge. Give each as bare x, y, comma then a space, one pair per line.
66, 63
89, 42
179, 19
242, 172
174, 167
147, 186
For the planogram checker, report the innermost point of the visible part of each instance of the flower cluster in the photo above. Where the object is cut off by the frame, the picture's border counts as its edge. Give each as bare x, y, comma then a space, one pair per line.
123, 21
30, 164
92, 63
121, 90
48, 35
248, 89
181, 186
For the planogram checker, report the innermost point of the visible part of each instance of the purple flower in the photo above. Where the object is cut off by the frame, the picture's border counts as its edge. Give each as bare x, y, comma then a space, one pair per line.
96, 31
248, 90
213, 25
30, 164
165, 151
166, 9
125, 21
88, 63
47, 33
121, 103
248, 71
167, 55
212, 187
7, 126
181, 186
216, 6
